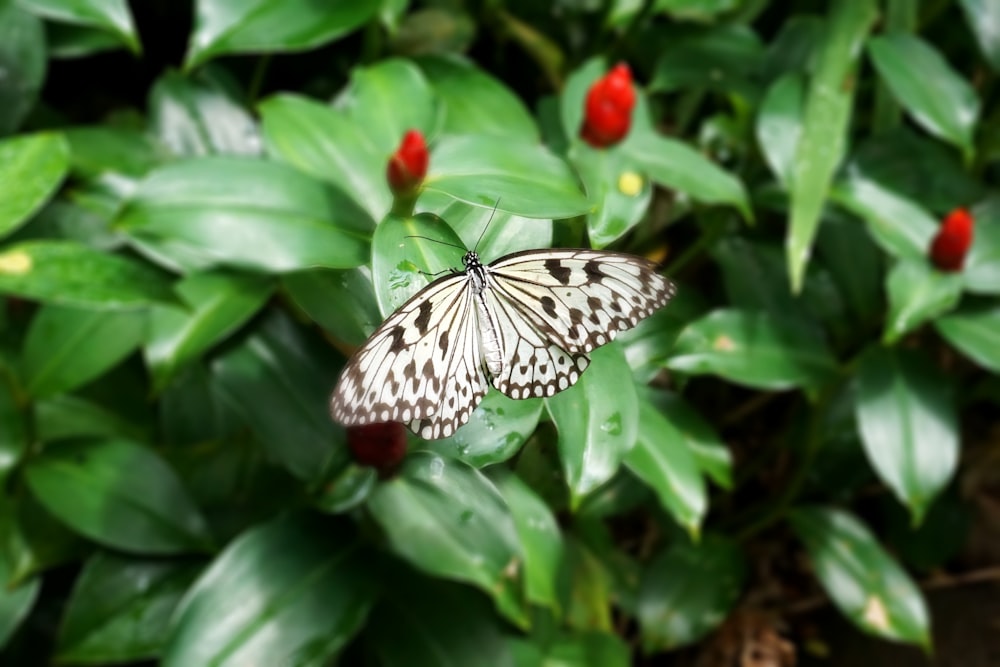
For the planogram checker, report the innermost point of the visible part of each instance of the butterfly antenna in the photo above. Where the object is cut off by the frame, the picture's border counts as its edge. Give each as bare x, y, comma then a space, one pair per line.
483, 233
427, 238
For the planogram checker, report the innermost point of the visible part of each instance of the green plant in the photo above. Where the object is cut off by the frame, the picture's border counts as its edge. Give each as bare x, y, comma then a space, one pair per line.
182, 284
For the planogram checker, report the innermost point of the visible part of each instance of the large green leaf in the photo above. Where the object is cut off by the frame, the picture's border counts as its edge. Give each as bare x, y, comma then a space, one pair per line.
932, 92
342, 302
707, 447
596, 427
974, 330
618, 190
492, 233
495, 431
67, 347
67, 416
779, 125
755, 349
917, 293
120, 607
13, 428
31, 168
15, 601
688, 590
982, 266
242, 213
724, 58
111, 16
906, 415
983, 18
871, 589
826, 117
255, 26
23, 58
118, 493
71, 274
292, 591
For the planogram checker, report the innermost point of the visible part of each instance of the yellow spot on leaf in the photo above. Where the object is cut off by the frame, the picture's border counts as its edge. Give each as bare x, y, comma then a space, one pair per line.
724, 344
630, 183
16, 262
875, 614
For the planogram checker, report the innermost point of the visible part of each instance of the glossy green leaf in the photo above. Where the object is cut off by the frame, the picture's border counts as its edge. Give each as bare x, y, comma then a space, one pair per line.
495, 431
327, 145
424, 622
983, 18
216, 304
571, 101
687, 591
23, 56
247, 214
262, 26
67, 416
291, 372
540, 537
590, 590
826, 117
199, 116
934, 94
13, 429
474, 102
724, 58
706, 446
15, 601
111, 16
342, 302
31, 168
292, 591
524, 177
120, 607
917, 293
695, 10
347, 490
975, 331
618, 190
71, 274
906, 415
856, 266
754, 349
870, 588
492, 234
662, 459
982, 266
674, 164
34, 540
596, 427
120, 494
649, 344
779, 125
67, 347
448, 520
66, 40
100, 149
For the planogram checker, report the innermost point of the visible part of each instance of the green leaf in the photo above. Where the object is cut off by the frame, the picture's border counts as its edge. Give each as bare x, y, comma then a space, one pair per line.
448, 520
676, 165
66, 40
15, 601
687, 591
618, 191
982, 266
754, 349
278, 380
270, 584
662, 459
571, 101
424, 622
827, 114
67, 347
99, 150
908, 423
13, 429
492, 234
983, 18
327, 145
779, 125
596, 427
23, 57
244, 213
31, 168
111, 16
342, 302
540, 537
67, 416
649, 344
199, 116
495, 431
71, 274
217, 304
515, 176
724, 58
975, 330
855, 265
917, 293
870, 588
707, 447
120, 494
474, 102
120, 607
695, 10
261, 26
937, 97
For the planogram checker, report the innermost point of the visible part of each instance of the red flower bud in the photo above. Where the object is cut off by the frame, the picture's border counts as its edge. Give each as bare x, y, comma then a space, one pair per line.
950, 246
408, 165
607, 113
381, 446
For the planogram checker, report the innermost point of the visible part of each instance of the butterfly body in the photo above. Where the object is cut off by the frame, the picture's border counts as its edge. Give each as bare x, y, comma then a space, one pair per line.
524, 324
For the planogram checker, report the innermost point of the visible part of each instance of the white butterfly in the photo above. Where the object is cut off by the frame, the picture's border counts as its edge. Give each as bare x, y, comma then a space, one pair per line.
524, 323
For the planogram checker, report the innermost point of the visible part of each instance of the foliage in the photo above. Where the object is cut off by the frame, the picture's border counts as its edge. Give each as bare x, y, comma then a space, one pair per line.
193, 237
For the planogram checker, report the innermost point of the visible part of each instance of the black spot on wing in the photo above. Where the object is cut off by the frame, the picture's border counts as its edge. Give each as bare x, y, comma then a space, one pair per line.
593, 271
443, 340
423, 316
397, 339
558, 271
549, 306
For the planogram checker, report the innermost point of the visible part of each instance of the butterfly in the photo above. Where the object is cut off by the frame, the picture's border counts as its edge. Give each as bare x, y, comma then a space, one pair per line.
524, 323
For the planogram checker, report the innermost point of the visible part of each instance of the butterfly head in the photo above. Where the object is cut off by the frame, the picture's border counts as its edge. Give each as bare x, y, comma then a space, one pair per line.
471, 260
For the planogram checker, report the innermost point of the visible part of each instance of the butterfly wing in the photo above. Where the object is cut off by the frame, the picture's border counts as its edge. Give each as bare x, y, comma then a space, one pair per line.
422, 366
579, 299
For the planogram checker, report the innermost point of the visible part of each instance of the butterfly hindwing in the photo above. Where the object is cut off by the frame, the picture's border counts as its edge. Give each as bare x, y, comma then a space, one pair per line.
422, 366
